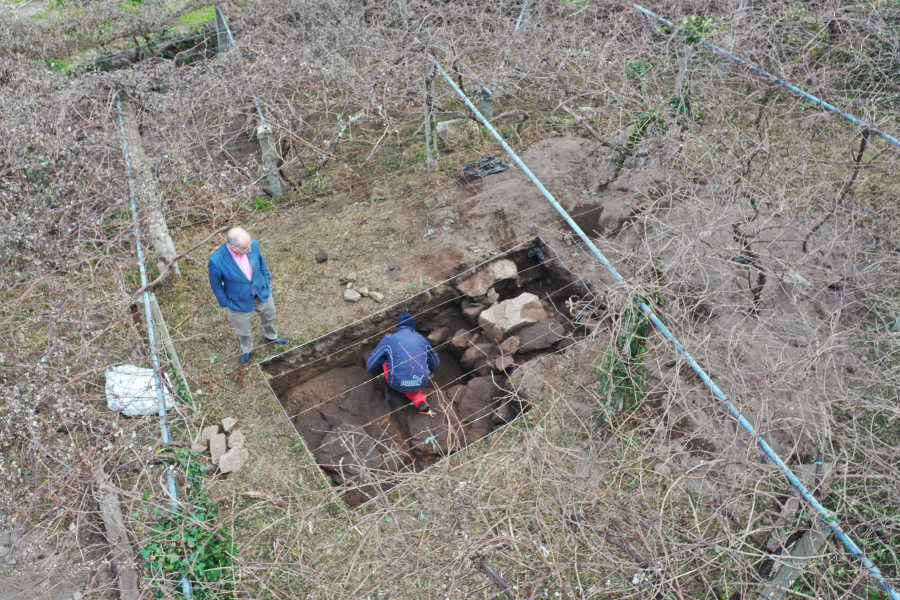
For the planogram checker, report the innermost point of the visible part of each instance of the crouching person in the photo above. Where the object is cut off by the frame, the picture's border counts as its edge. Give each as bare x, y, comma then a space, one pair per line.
407, 361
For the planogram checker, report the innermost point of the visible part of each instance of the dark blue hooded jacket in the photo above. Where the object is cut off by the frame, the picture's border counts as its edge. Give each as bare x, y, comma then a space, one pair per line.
410, 358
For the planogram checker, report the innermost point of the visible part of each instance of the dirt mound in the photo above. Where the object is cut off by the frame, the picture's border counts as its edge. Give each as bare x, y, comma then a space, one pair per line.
759, 289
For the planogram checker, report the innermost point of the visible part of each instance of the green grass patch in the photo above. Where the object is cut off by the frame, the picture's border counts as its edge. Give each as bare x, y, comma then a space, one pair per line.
697, 28
197, 19
57, 65
130, 4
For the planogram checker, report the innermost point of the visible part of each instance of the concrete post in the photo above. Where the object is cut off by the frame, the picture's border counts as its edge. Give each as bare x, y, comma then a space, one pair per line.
147, 193
430, 141
486, 107
221, 31
269, 157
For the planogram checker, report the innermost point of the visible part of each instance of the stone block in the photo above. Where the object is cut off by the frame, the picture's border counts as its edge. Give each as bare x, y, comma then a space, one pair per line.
471, 310
502, 363
217, 447
477, 355
504, 318
439, 336
478, 284
460, 339
510, 345
233, 460
236, 439
541, 335
202, 441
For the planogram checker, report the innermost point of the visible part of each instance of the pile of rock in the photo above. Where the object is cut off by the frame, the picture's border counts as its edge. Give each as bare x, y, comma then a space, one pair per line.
354, 292
225, 445
520, 325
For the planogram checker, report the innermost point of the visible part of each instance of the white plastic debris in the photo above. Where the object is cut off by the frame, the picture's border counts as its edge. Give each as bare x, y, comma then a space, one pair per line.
132, 391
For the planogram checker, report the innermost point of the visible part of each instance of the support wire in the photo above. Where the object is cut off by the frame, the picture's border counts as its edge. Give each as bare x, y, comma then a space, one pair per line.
781, 82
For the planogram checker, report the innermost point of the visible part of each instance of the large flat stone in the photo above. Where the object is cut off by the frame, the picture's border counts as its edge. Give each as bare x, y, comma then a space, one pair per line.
541, 335
478, 284
507, 317
434, 436
475, 403
346, 450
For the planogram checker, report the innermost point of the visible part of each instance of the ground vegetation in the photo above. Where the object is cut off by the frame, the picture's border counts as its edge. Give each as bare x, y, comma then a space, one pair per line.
761, 228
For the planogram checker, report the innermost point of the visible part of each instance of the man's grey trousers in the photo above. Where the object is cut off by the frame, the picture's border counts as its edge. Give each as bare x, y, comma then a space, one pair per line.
242, 322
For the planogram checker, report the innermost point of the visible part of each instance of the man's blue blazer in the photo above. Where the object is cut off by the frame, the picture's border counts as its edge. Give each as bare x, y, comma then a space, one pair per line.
231, 286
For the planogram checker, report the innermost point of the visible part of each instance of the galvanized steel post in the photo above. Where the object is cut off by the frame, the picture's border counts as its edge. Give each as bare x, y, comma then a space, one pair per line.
221, 30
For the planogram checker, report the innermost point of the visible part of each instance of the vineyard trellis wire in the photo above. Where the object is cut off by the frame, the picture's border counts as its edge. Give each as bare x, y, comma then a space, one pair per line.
275, 562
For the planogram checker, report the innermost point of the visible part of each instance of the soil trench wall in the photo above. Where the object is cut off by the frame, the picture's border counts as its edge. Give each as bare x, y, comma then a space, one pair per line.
364, 434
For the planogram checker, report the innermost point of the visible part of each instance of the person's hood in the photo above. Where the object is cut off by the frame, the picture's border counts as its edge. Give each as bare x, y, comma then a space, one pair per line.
406, 321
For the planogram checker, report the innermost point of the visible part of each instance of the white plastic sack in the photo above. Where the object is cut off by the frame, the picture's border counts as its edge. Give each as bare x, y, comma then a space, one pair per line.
132, 390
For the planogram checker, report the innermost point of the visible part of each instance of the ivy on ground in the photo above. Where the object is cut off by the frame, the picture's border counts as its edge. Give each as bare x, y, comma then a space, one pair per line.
190, 541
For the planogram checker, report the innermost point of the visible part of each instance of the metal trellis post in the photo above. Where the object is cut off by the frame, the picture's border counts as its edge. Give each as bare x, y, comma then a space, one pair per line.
221, 31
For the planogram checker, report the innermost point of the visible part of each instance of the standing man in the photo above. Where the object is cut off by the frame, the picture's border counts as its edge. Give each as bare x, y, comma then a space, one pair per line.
407, 359
241, 282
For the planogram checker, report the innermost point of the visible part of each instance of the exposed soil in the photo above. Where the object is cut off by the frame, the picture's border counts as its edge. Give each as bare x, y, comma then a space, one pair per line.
361, 431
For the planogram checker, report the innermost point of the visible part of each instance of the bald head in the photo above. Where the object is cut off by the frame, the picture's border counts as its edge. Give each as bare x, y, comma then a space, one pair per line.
239, 240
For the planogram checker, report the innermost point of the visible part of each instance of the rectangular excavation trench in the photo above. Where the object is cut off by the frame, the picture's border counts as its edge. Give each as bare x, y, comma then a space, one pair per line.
365, 436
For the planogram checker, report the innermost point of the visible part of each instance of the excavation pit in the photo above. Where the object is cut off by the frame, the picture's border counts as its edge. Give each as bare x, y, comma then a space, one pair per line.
363, 435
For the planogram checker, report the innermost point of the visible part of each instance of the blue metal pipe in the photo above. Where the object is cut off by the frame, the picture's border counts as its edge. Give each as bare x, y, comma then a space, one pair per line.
151, 333
828, 517
775, 79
